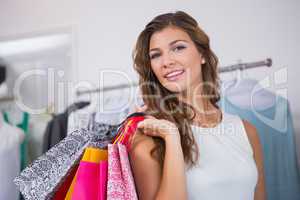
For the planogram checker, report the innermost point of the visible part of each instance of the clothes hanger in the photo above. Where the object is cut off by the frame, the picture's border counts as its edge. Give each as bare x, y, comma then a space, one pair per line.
248, 93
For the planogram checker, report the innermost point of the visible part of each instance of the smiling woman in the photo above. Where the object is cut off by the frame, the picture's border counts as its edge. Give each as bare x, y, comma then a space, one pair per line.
179, 84
176, 61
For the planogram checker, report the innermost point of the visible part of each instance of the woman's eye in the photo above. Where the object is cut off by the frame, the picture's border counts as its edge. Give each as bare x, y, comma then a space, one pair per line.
155, 55
178, 48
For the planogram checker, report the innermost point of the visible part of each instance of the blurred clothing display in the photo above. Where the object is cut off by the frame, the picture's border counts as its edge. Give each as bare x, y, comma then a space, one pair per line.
57, 128
11, 139
24, 124
271, 115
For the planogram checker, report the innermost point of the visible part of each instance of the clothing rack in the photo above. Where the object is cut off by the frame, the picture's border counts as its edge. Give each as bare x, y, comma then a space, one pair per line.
5, 99
240, 66
108, 88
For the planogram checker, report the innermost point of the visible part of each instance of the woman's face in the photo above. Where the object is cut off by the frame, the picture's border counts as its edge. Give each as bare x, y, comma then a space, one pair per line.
175, 60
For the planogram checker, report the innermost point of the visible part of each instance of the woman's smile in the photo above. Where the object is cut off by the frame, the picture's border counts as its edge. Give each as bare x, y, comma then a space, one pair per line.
174, 75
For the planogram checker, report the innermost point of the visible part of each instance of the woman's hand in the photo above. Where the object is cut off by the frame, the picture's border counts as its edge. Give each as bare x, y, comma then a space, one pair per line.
157, 127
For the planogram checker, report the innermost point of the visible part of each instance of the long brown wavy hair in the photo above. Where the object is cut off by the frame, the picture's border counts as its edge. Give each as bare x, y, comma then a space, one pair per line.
165, 104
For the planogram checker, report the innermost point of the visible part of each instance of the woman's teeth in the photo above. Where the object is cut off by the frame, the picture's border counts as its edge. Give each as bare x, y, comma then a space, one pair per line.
174, 75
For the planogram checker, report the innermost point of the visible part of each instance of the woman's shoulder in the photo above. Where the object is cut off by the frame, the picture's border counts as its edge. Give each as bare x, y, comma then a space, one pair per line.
141, 144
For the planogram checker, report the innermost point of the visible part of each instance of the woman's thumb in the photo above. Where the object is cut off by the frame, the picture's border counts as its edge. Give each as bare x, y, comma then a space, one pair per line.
140, 108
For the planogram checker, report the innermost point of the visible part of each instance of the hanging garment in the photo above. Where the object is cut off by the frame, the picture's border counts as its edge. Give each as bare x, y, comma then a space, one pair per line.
57, 128
3, 89
11, 139
113, 110
111, 118
273, 122
116, 106
55, 131
248, 92
24, 125
83, 118
37, 127
79, 118
226, 167
2, 73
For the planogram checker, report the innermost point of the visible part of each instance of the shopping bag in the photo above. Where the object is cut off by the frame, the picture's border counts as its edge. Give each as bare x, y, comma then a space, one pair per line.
63, 189
90, 181
90, 155
127, 130
91, 177
47, 174
120, 183
71, 188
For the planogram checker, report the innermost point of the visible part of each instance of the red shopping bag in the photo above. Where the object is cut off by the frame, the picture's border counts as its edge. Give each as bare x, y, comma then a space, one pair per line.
63, 189
128, 129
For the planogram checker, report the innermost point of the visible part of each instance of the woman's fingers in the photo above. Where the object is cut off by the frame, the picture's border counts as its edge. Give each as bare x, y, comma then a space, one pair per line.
140, 108
156, 127
150, 117
148, 124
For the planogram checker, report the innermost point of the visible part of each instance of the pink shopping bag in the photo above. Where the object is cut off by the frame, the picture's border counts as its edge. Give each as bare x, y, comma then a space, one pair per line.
120, 183
91, 181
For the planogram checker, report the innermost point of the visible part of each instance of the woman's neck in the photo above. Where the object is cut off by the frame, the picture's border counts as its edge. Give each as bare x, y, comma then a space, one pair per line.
206, 113
196, 99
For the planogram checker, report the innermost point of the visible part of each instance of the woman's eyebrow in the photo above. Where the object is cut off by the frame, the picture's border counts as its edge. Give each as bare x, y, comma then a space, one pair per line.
175, 41
171, 43
154, 49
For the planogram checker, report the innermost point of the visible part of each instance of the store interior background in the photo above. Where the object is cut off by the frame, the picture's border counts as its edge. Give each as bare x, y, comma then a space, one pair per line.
91, 36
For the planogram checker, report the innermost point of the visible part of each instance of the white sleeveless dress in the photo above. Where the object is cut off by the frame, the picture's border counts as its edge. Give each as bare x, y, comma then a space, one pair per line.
226, 168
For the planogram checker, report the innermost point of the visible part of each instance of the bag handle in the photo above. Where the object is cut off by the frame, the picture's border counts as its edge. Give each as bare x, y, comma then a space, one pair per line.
128, 129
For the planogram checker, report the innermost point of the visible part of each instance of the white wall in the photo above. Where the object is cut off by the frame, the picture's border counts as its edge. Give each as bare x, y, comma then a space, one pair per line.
106, 32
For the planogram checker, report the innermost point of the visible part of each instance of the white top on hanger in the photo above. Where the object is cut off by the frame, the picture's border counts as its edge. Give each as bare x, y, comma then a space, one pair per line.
10, 139
248, 94
10, 135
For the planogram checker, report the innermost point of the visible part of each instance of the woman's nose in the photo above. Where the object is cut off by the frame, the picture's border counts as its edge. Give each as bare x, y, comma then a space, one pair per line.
168, 60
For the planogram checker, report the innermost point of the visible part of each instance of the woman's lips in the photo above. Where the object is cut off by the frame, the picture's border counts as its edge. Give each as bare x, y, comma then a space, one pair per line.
172, 76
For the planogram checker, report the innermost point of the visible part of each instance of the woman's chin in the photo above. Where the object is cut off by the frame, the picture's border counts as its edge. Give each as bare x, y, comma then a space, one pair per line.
174, 88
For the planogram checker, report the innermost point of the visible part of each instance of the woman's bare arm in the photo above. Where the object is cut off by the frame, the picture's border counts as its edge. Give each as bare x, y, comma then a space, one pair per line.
146, 170
152, 182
